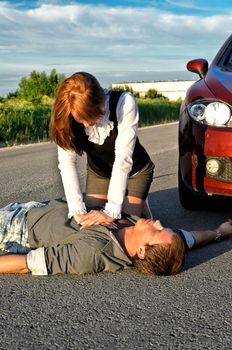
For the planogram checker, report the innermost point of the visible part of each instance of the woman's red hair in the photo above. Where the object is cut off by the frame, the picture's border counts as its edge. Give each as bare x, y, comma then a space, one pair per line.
78, 97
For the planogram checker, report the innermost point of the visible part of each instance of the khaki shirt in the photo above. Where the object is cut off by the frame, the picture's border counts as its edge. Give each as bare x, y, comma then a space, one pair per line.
69, 249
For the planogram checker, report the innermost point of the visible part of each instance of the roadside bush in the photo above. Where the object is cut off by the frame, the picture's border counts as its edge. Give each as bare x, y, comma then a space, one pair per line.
24, 125
153, 93
157, 111
124, 88
21, 122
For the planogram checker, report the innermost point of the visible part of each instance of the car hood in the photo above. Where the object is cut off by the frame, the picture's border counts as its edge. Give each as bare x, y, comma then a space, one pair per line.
219, 81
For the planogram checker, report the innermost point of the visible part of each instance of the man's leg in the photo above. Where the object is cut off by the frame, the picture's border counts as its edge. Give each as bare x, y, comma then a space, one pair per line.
12, 224
13, 264
13, 227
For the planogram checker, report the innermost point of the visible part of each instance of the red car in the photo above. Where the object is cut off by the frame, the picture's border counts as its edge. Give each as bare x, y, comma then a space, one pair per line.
205, 132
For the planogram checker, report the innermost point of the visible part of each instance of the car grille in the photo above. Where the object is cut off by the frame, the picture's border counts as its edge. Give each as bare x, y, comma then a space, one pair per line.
225, 171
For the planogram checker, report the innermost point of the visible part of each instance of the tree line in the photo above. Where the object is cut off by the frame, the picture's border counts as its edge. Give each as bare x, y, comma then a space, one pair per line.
40, 84
25, 114
36, 86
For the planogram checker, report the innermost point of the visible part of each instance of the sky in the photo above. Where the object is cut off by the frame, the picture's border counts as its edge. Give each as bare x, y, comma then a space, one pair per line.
115, 40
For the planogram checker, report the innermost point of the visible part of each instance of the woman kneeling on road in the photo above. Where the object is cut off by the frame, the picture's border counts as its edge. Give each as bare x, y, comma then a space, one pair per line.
104, 125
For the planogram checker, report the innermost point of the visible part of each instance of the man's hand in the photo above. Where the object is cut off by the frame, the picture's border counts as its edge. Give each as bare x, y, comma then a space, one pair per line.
225, 229
95, 217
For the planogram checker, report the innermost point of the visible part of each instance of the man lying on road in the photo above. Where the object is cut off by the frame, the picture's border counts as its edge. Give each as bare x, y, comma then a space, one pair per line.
46, 242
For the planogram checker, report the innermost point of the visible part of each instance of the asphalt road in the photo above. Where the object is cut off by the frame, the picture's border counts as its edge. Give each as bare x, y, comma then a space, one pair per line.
125, 310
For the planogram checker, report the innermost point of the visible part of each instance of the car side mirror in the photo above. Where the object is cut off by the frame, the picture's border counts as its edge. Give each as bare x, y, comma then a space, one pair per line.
199, 66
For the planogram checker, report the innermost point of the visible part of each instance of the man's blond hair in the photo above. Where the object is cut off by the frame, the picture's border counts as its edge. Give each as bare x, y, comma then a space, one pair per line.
162, 259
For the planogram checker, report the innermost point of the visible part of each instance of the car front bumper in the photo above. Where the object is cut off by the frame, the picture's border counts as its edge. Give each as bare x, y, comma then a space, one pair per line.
199, 144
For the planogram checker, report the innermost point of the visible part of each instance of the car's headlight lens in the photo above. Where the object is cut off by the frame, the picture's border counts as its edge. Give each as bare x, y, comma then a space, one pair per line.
198, 111
210, 112
217, 113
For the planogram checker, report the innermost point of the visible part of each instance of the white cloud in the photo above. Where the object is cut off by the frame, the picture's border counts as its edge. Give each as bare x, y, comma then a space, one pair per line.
99, 38
188, 4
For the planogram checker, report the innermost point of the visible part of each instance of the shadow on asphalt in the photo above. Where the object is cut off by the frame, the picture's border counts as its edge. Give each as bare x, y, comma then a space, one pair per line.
201, 255
166, 207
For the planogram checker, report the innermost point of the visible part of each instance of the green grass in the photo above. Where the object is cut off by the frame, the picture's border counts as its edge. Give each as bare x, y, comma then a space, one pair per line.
23, 123
158, 111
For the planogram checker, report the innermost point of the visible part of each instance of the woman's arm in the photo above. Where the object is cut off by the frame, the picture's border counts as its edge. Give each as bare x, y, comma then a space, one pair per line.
128, 117
67, 165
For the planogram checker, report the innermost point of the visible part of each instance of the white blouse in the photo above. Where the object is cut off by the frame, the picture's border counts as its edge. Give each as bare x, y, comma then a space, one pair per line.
128, 117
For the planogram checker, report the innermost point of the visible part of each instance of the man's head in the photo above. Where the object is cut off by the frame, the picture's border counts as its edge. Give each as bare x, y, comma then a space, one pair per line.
157, 250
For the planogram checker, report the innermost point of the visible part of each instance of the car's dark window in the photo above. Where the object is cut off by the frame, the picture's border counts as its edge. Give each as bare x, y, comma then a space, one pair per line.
226, 60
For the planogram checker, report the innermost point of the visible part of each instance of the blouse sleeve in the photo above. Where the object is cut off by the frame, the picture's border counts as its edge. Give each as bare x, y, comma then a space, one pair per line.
128, 117
68, 170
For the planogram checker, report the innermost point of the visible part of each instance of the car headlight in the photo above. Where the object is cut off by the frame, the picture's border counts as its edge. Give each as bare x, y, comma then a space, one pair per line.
210, 112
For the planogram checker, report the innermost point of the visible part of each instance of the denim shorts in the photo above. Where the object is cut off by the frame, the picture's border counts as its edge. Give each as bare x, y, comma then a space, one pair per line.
13, 227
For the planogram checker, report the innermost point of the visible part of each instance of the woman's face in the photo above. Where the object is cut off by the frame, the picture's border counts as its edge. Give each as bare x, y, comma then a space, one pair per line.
87, 123
91, 121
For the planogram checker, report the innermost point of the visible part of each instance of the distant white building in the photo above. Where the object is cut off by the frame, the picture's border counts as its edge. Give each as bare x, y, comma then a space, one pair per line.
172, 89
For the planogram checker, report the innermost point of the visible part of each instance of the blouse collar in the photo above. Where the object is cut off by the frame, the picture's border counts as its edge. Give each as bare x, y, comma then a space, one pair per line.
101, 130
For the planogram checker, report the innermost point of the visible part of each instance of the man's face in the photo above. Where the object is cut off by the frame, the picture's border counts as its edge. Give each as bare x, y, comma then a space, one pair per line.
151, 232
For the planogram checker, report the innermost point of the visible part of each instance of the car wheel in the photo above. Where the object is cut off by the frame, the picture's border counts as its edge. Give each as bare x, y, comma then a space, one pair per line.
188, 199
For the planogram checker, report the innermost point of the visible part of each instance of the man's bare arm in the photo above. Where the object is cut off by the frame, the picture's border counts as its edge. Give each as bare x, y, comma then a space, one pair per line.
13, 264
204, 237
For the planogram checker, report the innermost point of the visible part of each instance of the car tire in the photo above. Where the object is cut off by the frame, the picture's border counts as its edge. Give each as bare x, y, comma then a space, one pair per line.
188, 199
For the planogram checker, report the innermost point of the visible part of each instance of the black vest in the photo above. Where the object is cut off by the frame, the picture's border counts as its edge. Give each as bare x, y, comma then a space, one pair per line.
101, 157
